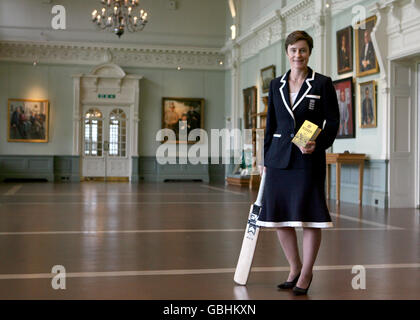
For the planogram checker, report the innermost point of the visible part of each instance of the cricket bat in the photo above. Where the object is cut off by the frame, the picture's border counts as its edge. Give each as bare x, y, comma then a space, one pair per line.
250, 239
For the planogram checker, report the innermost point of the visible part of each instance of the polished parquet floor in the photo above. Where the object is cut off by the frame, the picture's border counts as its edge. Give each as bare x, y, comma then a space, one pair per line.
181, 240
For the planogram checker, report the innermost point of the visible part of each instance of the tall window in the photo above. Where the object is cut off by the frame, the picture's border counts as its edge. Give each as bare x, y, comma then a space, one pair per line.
117, 133
93, 133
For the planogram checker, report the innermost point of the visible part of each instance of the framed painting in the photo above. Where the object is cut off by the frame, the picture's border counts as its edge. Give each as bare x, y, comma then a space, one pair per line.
250, 105
27, 120
267, 74
182, 115
345, 50
345, 97
367, 104
366, 60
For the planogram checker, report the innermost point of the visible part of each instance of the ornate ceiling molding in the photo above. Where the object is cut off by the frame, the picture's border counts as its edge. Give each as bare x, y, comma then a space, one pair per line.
273, 28
92, 54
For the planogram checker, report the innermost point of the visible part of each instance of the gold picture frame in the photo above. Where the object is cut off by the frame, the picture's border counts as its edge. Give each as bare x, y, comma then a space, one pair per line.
176, 110
250, 105
267, 74
345, 98
367, 104
366, 60
344, 50
27, 120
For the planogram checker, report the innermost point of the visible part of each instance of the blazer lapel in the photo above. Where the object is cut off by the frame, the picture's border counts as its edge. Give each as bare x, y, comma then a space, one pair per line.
284, 92
306, 87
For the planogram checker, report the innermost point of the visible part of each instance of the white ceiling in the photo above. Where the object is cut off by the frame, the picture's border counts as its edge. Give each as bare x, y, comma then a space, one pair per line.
197, 23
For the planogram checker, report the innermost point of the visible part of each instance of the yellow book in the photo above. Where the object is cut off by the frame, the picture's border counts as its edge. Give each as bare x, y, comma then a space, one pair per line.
307, 132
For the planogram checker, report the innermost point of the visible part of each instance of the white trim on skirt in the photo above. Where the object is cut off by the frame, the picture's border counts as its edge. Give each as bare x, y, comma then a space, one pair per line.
268, 224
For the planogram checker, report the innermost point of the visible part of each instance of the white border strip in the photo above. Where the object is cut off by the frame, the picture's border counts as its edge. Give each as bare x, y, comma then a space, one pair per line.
139, 193
221, 189
93, 202
268, 224
13, 190
193, 271
372, 223
94, 232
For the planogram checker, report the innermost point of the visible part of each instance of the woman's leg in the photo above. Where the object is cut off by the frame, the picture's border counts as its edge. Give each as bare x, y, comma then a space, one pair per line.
288, 241
311, 244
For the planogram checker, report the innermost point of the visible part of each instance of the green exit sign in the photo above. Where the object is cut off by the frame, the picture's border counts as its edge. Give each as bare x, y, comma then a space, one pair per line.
106, 96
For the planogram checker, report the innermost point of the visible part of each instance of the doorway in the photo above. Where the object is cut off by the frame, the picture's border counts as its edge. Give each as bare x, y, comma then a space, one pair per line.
105, 140
106, 122
404, 123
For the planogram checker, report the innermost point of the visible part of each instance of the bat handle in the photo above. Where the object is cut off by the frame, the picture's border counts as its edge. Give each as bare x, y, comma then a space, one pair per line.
261, 190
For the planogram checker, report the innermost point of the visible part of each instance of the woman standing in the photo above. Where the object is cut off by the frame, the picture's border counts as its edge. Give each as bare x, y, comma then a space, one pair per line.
294, 194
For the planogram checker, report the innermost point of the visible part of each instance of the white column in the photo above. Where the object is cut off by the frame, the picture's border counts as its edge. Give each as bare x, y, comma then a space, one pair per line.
320, 39
76, 115
380, 43
135, 119
236, 94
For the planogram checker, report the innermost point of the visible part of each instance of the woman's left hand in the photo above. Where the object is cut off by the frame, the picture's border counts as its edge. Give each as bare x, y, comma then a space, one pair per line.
309, 148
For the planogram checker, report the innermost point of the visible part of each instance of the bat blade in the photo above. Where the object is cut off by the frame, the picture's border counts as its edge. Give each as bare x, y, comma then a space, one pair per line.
248, 247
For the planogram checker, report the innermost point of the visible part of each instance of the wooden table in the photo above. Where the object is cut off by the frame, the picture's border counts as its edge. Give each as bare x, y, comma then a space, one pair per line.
345, 158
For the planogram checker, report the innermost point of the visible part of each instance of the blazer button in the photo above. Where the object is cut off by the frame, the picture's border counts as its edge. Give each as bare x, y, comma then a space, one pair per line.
292, 135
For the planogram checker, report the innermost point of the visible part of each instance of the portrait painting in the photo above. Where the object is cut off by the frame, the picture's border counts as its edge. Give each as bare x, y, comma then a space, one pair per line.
366, 60
367, 104
345, 97
27, 120
345, 50
250, 106
182, 115
267, 74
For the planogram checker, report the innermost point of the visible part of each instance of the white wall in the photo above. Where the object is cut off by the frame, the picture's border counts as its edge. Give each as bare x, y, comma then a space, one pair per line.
251, 11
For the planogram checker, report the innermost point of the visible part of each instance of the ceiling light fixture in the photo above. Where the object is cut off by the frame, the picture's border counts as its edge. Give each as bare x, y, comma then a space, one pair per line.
120, 15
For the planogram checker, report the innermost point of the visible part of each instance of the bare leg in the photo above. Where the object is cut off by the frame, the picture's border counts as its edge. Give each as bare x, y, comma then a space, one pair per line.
288, 241
311, 243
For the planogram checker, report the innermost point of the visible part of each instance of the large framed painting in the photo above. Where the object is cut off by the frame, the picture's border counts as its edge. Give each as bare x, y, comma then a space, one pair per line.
345, 97
367, 104
267, 74
182, 115
345, 50
366, 60
27, 120
250, 106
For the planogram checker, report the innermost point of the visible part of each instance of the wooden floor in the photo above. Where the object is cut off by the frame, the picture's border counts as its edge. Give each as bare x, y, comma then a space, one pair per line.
181, 240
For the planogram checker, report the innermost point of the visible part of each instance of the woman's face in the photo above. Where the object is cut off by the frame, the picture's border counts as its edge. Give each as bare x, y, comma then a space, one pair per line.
298, 54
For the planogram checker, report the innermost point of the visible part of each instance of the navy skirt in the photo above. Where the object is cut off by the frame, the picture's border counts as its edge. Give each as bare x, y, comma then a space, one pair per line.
294, 198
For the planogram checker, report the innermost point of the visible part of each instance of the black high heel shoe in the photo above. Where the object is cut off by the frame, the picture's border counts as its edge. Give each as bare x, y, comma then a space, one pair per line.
289, 284
300, 291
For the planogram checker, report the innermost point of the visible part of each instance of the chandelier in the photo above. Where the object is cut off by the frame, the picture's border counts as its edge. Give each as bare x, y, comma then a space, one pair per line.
120, 15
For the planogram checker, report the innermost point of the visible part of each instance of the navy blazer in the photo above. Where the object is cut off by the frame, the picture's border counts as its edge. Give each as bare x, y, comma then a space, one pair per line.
316, 102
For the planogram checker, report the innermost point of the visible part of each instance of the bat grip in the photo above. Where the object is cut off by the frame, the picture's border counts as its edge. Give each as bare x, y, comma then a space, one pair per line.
260, 190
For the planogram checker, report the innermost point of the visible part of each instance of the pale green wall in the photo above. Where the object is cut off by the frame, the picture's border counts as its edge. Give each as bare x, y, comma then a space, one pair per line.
368, 140
54, 83
274, 54
250, 70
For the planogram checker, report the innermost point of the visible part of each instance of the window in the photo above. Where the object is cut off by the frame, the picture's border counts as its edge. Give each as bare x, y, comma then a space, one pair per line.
93, 133
117, 133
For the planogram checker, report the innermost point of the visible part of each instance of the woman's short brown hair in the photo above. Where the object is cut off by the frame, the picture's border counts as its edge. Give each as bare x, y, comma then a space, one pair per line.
299, 35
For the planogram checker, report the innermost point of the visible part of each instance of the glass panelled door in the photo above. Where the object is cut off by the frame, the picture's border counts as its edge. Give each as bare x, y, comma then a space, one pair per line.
105, 145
